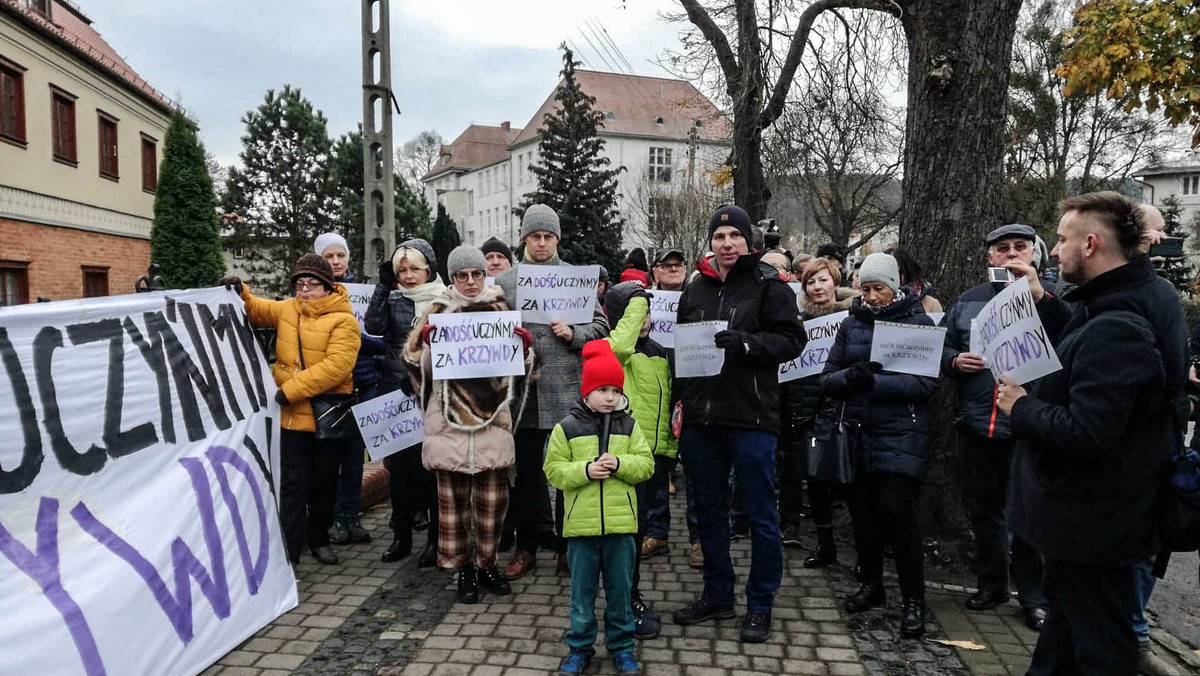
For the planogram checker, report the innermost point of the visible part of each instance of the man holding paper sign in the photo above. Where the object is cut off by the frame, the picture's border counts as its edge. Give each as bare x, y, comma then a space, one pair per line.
985, 444
732, 419
552, 391
1097, 435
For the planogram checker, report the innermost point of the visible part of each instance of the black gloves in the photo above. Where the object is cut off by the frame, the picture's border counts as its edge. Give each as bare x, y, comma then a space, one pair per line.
231, 282
730, 341
387, 274
859, 377
281, 398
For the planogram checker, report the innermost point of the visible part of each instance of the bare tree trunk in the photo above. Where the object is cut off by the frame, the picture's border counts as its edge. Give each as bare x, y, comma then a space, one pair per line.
959, 62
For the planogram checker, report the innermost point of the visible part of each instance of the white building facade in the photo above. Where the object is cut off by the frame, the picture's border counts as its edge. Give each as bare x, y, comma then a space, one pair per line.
651, 128
1180, 180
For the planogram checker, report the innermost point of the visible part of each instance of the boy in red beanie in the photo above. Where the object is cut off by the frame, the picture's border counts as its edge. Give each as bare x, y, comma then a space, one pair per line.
596, 456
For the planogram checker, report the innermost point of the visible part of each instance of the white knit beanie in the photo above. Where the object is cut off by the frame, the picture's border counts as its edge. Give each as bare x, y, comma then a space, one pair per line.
328, 239
880, 267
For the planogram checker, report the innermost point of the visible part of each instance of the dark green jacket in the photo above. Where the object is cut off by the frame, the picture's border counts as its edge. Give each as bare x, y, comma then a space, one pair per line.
606, 507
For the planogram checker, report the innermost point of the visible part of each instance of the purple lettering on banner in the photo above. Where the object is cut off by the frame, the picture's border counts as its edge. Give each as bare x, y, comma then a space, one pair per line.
177, 606
220, 456
42, 568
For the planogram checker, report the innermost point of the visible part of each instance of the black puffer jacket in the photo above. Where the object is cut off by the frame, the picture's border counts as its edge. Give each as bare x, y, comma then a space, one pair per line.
800, 401
1095, 437
894, 414
760, 307
391, 316
977, 412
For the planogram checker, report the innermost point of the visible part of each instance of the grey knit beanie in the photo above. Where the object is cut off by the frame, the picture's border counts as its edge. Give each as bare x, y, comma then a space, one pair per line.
465, 257
540, 218
880, 267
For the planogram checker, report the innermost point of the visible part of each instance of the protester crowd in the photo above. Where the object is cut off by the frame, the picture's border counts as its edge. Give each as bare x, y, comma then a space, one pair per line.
1059, 476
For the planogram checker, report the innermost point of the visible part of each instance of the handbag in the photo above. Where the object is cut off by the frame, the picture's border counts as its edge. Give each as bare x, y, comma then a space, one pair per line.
331, 412
830, 455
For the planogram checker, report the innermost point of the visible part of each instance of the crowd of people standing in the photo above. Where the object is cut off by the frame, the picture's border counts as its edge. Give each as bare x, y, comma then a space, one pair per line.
1059, 480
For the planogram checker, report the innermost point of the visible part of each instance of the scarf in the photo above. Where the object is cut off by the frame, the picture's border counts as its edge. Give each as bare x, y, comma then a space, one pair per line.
423, 295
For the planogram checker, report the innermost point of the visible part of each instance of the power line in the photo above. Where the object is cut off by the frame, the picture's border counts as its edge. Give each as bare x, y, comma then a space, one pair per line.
594, 50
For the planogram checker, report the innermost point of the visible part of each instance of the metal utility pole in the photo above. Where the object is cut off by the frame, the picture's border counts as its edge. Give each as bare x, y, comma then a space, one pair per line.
693, 142
379, 196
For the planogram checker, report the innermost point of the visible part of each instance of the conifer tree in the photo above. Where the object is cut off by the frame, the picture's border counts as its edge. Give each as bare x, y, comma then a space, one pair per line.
1175, 269
445, 238
185, 240
574, 177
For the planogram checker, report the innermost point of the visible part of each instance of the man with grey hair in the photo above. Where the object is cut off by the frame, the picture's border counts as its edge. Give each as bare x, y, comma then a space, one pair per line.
553, 387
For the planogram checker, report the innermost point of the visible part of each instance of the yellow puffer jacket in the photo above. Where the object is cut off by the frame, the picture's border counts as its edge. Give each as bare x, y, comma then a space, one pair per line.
330, 334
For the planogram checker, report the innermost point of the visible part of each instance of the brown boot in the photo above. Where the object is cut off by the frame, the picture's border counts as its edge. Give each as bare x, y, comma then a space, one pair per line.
520, 564
653, 547
697, 559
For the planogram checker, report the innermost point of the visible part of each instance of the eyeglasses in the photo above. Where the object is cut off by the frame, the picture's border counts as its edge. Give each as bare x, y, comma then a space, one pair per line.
464, 276
306, 284
670, 266
1018, 246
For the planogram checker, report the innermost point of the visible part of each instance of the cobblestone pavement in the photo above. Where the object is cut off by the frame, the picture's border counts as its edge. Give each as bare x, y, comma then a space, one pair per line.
367, 618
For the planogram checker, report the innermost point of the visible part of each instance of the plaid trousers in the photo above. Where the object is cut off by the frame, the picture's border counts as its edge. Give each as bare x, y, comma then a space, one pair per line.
465, 500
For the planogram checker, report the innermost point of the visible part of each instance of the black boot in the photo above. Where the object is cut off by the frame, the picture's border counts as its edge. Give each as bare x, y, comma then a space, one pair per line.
646, 622
401, 547
428, 556
468, 585
912, 621
492, 582
869, 595
826, 551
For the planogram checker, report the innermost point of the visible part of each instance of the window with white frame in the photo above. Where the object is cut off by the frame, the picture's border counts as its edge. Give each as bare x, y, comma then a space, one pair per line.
660, 165
1191, 184
470, 202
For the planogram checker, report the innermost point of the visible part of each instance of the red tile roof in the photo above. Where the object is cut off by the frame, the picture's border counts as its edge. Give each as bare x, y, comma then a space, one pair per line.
476, 147
68, 25
636, 102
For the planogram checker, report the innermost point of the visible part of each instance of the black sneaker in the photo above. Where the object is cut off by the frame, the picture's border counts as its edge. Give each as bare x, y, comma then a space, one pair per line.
791, 534
702, 611
756, 626
912, 620
338, 534
869, 595
646, 622
358, 534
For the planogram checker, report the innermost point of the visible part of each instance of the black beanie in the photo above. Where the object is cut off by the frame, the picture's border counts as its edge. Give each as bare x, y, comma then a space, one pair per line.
493, 245
637, 260
830, 250
735, 216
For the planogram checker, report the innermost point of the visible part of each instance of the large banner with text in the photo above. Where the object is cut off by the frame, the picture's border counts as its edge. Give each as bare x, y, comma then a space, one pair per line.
138, 481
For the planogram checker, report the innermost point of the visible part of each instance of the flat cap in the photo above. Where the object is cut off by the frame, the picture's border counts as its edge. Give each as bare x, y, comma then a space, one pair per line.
1011, 230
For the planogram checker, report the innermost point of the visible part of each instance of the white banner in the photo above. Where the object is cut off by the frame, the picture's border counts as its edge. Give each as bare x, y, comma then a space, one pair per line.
1011, 337
360, 300
476, 345
696, 355
390, 423
821, 333
663, 306
936, 317
549, 292
908, 348
138, 475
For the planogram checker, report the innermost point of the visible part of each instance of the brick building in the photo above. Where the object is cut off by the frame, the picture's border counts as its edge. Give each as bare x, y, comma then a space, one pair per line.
80, 145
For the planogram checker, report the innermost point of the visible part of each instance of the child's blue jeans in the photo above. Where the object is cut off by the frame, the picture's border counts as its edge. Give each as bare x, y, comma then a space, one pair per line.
614, 557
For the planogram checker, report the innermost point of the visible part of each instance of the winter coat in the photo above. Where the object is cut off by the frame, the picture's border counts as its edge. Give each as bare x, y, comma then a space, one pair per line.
607, 507
366, 373
647, 367
468, 422
559, 366
330, 335
762, 309
1096, 437
391, 315
894, 414
800, 401
977, 412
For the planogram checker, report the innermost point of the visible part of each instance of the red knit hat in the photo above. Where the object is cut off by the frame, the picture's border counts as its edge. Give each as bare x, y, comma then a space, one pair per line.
635, 275
600, 367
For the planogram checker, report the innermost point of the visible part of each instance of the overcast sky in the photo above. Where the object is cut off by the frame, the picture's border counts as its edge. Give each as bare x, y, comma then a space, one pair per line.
454, 62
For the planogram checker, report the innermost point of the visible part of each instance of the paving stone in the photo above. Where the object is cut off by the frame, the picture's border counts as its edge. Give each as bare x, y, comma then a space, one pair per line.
280, 661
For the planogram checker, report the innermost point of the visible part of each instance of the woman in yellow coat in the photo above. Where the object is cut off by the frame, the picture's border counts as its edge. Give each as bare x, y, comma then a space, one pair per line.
320, 319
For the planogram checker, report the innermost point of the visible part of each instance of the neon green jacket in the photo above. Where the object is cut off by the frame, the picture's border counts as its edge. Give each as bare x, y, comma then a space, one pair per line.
607, 507
647, 378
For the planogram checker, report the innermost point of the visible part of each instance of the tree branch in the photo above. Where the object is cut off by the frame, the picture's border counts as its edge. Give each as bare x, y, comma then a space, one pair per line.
720, 43
788, 72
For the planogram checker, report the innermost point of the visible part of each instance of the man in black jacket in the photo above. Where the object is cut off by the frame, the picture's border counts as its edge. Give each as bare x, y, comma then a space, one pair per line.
1097, 436
985, 445
732, 419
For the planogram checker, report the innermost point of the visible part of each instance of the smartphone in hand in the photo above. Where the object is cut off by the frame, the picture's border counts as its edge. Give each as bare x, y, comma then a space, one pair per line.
1000, 275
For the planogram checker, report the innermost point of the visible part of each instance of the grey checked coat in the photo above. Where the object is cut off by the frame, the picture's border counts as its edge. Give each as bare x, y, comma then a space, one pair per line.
558, 368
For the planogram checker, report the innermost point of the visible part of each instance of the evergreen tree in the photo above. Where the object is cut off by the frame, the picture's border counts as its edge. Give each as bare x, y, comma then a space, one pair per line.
282, 192
346, 169
574, 178
1175, 269
445, 238
185, 240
